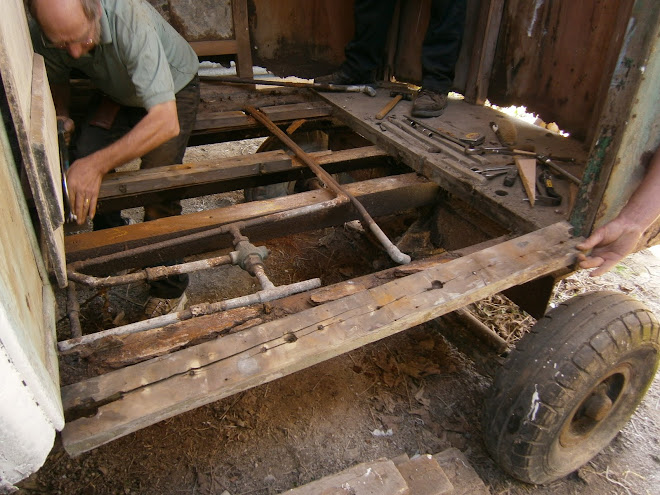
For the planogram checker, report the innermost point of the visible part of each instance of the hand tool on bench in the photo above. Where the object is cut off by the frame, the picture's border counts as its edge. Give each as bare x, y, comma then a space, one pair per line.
547, 194
491, 173
511, 177
469, 140
340, 88
547, 161
398, 95
428, 144
69, 216
546, 184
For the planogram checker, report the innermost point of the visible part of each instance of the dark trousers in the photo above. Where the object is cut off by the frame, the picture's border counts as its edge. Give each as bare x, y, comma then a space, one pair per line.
440, 50
92, 138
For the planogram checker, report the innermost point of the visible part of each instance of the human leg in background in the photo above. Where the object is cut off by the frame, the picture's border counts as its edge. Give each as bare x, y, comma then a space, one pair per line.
364, 52
442, 45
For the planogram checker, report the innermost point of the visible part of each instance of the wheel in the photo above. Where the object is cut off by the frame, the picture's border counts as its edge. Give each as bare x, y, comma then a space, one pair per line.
570, 385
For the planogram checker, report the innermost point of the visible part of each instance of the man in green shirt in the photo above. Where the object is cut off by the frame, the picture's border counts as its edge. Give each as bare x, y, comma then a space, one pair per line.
145, 75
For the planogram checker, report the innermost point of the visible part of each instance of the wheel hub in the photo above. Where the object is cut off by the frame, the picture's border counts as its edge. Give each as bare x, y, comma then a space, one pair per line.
595, 407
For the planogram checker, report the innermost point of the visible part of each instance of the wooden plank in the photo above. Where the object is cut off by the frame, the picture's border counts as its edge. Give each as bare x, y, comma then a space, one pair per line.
189, 175
242, 36
43, 170
217, 369
118, 351
16, 62
379, 196
380, 476
277, 113
483, 53
238, 178
32, 116
26, 295
44, 143
217, 47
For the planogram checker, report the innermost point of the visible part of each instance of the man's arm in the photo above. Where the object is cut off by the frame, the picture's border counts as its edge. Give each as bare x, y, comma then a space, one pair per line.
84, 177
619, 237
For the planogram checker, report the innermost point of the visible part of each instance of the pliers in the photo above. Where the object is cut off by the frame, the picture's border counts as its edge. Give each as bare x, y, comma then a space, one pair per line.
490, 173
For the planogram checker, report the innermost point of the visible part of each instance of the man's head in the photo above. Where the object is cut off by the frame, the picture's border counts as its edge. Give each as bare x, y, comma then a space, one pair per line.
71, 25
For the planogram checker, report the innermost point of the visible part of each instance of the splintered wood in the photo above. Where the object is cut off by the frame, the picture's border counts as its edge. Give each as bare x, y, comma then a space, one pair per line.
140, 395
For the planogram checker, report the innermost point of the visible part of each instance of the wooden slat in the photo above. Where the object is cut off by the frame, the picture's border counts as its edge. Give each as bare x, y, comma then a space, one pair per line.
277, 113
218, 47
483, 53
188, 175
381, 196
43, 169
242, 36
118, 351
202, 374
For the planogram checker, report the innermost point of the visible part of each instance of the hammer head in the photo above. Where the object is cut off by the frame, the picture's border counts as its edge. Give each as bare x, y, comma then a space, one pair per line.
406, 93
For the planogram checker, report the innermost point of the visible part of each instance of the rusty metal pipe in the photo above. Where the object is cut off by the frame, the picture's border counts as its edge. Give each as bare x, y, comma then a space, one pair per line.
261, 276
200, 236
262, 296
148, 274
73, 310
331, 183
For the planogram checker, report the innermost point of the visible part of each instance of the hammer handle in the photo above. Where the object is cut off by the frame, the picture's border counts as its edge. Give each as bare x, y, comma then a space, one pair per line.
390, 105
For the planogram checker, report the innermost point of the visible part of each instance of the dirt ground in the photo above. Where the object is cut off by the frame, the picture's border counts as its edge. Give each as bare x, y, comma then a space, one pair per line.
410, 393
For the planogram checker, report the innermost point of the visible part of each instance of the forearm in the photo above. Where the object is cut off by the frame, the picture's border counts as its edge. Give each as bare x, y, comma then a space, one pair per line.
159, 125
643, 208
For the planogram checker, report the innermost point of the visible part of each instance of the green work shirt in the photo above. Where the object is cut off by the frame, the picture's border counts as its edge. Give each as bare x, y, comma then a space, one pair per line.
141, 60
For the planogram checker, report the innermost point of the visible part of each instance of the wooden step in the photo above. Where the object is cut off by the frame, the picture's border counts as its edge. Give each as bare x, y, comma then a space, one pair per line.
424, 476
462, 475
379, 477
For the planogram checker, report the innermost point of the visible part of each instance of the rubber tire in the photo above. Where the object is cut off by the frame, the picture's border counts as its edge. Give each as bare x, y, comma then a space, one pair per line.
532, 409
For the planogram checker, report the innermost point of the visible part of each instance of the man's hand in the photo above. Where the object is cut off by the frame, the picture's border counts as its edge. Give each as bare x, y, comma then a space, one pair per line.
610, 244
84, 181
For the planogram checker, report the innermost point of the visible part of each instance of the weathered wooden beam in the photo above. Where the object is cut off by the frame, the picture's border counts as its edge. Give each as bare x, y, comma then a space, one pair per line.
483, 53
242, 36
217, 47
137, 188
208, 372
381, 196
117, 351
236, 119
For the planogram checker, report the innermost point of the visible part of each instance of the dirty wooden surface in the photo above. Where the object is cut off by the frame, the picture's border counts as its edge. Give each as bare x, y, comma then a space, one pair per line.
451, 167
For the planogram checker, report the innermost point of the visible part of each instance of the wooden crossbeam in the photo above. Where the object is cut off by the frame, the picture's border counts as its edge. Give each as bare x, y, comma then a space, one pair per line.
381, 196
139, 187
277, 113
208, 372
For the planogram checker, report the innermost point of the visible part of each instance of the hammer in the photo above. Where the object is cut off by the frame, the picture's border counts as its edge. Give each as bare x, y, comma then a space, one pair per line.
398, 95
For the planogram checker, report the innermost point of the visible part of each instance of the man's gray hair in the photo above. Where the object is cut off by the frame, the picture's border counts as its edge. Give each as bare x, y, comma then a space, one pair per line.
89, 8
